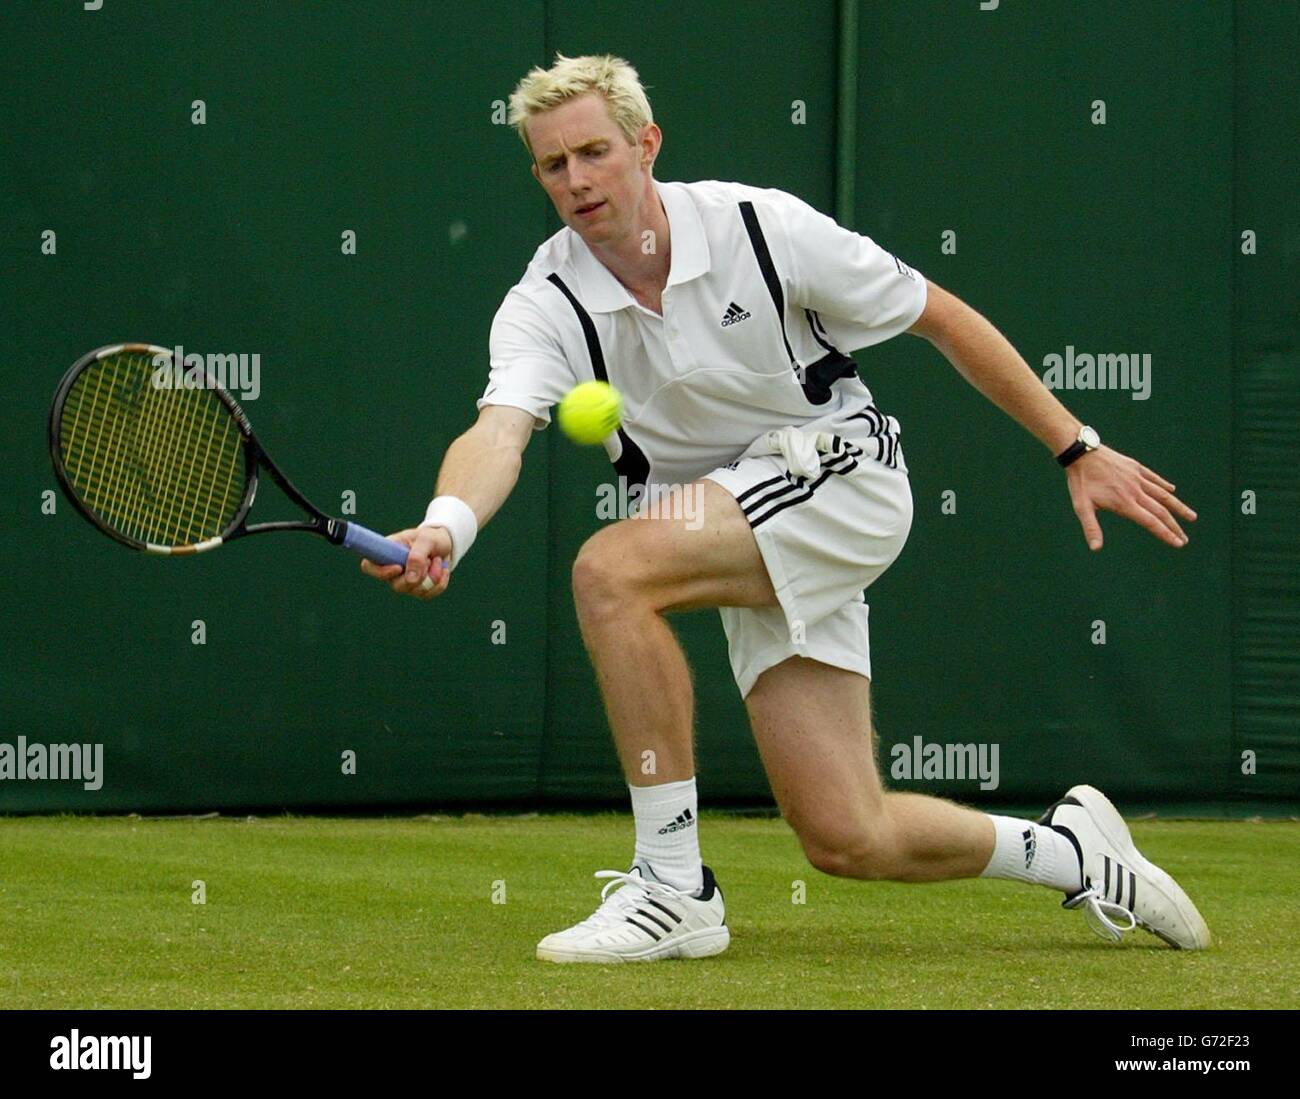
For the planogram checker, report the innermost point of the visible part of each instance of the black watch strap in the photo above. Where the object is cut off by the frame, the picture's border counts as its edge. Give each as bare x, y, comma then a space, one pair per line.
1088, 440
1071, 453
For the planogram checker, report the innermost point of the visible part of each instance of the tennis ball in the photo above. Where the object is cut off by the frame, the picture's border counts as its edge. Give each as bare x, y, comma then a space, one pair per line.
590, 412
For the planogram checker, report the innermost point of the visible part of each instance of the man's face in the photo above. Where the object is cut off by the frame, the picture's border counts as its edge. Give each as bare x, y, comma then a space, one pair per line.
593, 176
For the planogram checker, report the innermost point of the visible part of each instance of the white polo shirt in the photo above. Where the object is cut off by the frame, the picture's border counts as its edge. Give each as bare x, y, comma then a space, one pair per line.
700, 383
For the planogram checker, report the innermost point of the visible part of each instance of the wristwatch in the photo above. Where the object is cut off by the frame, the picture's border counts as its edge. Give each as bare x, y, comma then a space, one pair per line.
1088, 440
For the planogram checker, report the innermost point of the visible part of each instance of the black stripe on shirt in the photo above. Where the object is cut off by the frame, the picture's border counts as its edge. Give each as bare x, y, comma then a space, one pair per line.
631, 462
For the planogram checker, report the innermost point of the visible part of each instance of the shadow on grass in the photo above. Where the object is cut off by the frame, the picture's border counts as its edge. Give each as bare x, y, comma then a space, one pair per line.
828, 945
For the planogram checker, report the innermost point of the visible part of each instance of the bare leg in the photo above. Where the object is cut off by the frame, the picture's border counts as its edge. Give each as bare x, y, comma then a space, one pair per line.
626, 577
812, 723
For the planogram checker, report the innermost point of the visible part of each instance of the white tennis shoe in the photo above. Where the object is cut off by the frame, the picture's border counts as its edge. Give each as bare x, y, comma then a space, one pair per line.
1117, 881
644, 920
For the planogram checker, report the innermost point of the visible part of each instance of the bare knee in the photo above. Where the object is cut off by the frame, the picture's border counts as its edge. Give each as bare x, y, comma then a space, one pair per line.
849, 851
606, 576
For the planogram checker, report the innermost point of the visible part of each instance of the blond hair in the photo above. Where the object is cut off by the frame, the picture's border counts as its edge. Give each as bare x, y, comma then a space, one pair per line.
610, 76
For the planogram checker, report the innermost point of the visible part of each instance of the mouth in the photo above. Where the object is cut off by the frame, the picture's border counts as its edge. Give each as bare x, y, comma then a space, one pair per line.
589, 209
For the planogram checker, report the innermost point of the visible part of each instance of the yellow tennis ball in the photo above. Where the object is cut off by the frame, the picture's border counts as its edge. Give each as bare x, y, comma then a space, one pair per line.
590, 412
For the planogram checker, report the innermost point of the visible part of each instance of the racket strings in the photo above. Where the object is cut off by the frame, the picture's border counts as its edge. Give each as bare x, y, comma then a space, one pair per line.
158, 462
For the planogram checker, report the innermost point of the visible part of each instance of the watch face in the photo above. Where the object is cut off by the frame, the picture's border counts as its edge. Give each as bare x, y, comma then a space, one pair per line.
1089, 438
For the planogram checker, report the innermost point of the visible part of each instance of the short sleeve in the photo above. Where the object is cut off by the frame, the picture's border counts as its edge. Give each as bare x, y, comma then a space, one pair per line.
865, 294
529, 369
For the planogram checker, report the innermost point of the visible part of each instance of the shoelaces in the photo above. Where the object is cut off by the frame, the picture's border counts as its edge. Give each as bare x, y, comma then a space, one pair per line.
635, 890
1097, 911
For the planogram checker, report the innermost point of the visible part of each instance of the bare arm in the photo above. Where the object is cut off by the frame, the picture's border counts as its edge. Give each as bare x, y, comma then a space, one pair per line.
481, 467
986, 359
1103, 478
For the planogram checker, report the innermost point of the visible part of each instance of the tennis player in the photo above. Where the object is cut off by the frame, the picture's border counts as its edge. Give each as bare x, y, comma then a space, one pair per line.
724, 314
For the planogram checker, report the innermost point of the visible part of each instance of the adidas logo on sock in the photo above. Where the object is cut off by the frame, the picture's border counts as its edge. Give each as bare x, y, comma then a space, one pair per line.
1031, 846
734, 315
684, 820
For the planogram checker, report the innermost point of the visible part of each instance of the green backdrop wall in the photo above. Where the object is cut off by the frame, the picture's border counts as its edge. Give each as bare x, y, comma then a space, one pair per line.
972, 126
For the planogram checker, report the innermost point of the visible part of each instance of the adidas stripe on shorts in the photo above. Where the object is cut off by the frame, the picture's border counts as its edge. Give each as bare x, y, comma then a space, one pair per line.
824, 539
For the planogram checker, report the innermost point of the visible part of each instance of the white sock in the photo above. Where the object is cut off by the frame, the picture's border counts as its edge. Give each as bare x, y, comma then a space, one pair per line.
668, 834
1025, 851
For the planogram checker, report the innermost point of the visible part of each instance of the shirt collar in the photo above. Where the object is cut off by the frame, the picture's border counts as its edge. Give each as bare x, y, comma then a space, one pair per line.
601, 292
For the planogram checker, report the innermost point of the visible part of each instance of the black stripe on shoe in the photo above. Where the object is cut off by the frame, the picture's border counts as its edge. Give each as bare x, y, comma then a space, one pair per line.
654, 919
666, 911
1074, 842
636, 923
1046, 818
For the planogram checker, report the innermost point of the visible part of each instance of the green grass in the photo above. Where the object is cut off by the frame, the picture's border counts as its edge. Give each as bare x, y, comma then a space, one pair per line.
309, 912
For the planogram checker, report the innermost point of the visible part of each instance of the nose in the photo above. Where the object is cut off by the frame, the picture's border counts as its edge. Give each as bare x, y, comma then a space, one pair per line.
577, 176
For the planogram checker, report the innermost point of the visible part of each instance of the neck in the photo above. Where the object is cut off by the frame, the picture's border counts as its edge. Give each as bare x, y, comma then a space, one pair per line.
635, 268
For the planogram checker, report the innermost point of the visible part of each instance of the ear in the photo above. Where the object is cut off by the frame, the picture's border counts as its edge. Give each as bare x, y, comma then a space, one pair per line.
652, 138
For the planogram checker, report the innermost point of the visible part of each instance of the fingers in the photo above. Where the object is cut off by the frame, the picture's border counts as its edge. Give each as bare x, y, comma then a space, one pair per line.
1130, 489
426, 574
435, 583
1088, 520
430, 587
425, 561
1172, 502
432, 583
1155, 478
1176, 535
1143, 505
1162, 504
1156, 518
418, 558
380, 572
1163, 492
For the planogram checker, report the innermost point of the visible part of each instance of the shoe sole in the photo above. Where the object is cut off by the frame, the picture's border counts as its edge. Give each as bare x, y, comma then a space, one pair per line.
1112, 826
694, 944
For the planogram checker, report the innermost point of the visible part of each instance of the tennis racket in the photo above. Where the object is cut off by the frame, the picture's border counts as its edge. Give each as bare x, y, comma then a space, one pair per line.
168, 463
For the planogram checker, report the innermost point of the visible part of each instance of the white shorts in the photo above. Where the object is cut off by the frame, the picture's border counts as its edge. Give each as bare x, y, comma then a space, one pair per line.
824, 539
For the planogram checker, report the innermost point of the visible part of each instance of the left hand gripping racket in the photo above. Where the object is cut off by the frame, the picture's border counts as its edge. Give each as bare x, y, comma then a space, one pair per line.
165, 461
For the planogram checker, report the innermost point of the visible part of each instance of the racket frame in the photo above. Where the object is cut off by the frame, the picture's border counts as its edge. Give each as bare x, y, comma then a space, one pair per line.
255, 458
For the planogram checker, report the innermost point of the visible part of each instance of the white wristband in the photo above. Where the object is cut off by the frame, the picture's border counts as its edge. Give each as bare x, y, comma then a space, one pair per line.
458, 518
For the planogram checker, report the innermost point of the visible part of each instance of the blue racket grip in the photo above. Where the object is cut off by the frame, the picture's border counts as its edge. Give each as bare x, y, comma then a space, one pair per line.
374, 547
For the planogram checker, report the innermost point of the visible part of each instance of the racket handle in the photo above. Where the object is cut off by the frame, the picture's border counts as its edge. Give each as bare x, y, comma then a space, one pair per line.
374, 547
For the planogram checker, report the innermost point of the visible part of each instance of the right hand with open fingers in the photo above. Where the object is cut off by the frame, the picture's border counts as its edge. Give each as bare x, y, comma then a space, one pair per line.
426, 574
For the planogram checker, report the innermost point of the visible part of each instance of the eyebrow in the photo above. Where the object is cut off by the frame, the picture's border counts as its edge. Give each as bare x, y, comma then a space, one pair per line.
577, 149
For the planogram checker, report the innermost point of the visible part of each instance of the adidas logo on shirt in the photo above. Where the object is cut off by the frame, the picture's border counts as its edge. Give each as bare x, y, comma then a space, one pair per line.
734, 315
684, 820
